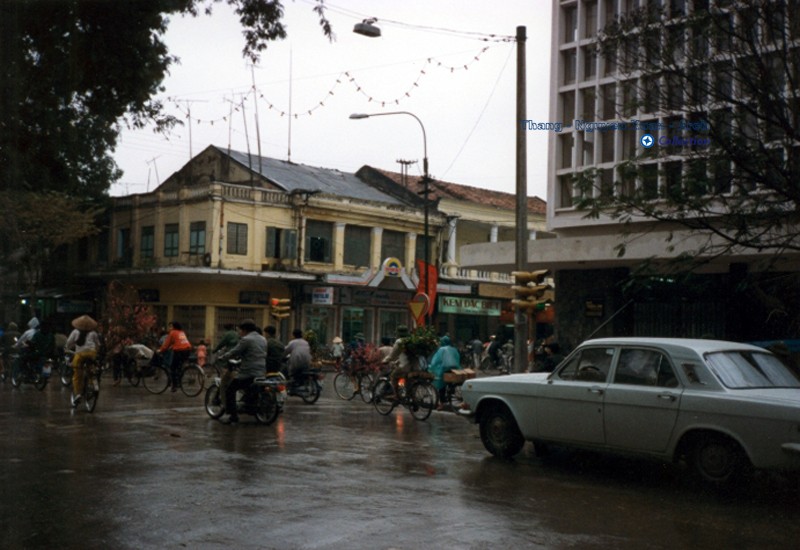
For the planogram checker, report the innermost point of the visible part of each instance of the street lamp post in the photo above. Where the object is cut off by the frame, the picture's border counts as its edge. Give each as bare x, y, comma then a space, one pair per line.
425, 191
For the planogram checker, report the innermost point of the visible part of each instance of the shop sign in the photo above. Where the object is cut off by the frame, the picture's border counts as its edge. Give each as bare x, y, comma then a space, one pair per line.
469, 306
392, 267
253, 297
322, 295
593, 308
74, 306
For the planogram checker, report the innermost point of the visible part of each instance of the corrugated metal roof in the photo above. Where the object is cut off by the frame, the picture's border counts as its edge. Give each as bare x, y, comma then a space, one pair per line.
296, 177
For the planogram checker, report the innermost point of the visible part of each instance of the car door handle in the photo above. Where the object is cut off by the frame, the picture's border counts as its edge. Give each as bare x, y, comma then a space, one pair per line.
595, 389
667, 396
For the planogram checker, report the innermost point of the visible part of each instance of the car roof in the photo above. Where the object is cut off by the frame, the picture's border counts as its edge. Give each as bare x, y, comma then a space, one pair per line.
698, 345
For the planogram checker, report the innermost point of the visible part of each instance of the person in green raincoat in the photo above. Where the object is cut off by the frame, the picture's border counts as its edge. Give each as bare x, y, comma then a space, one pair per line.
445, 359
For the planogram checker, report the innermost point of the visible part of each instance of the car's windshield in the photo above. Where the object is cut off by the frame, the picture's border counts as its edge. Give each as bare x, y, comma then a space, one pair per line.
751, 369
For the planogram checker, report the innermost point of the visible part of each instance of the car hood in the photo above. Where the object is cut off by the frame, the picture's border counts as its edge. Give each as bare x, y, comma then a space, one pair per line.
490, 383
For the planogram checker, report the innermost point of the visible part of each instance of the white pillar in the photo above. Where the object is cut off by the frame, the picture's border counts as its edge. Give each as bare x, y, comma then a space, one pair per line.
451, 241
493, 234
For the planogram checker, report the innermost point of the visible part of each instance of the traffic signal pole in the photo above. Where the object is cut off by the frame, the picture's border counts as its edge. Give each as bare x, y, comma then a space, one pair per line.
521, 314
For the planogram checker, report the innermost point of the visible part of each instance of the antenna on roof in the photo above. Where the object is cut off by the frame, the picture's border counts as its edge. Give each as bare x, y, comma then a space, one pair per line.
404, 171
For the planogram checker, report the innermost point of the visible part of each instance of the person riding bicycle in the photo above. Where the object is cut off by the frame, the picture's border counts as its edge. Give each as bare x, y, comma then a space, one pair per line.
444, 360
181, 349
10, 337
404, 363
298, 351
229, 339
252, 350
86, 343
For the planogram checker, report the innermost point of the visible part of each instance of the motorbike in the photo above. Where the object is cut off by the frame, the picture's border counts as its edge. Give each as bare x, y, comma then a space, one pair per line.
264, 398
306, 385
31, 373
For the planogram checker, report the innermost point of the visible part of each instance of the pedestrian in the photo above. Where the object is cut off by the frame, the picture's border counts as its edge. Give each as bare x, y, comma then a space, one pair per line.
85, 341
10, 337
201, 352
275, 350
337, 351
445, 359
552, 357
251, 348
181, 348
299, 353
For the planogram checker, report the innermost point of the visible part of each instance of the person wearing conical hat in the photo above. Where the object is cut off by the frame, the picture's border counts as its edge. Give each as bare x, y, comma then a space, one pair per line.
85, 341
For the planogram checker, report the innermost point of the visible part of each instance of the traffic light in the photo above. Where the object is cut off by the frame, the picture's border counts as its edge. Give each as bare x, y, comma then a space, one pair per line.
530, 289
281, 307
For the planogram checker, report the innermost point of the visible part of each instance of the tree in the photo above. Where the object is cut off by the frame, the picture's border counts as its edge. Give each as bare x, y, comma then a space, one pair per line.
721, 91
126, 320
36, 224
718, 88
74, 71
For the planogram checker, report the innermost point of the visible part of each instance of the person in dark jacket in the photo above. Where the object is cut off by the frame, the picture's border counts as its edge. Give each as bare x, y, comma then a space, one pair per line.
252, 350
275, 350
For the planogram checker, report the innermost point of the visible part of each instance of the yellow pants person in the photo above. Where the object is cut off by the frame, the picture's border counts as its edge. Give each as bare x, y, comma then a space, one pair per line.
77, 369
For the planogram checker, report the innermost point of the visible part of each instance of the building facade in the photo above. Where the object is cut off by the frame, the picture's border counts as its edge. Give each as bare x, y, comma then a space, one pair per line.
612, 106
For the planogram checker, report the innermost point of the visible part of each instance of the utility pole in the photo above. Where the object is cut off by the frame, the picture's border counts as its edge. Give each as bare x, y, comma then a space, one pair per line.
520, 314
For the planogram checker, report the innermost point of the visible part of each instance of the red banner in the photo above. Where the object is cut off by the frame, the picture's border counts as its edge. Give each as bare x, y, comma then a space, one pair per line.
433, 280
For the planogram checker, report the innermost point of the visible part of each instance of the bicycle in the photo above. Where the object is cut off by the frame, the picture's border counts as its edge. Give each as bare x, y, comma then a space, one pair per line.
452, 386
156, 379
347, 384
91, 385
415, 392
27, 370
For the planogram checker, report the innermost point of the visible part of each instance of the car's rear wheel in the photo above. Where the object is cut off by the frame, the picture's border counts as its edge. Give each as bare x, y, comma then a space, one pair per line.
500, 433
718, 460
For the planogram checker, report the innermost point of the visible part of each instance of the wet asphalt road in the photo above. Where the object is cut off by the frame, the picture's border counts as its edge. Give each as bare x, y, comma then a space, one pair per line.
148, 471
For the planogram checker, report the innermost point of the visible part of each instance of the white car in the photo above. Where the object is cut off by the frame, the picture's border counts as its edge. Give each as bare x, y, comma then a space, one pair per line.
725, 407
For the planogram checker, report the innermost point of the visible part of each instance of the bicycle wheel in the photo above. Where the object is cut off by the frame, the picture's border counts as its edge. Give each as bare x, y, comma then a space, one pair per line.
65, 370
453, 396
382, 396
156, 380
424, 399
40, 381
311, 389
192, 380
267, 411
214, 402
343, 386
91, 391
366, 385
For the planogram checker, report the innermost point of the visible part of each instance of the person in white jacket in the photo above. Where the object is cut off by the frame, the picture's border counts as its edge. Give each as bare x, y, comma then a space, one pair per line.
85, 341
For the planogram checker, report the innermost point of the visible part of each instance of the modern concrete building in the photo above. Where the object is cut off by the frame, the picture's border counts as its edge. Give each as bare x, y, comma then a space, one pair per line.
589, 91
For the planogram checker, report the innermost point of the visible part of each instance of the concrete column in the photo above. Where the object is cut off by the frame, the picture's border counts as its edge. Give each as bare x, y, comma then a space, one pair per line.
451, 240
493, 234
375, 248
409, 262
338, 245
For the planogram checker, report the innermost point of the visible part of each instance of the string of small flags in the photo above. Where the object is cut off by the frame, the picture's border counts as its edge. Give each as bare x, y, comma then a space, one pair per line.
346, 75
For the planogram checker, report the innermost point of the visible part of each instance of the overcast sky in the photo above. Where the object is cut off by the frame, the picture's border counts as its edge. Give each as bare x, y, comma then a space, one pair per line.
417, 65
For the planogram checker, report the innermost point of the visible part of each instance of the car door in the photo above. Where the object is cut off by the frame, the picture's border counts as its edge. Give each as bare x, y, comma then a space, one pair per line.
570, 405
642, 401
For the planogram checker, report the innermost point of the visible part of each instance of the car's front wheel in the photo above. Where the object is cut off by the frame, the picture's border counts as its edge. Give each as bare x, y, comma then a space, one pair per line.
500, 433
718, 460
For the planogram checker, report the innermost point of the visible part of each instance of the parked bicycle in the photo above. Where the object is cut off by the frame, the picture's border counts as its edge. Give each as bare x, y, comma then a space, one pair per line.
357, 374
415, 392
156, 378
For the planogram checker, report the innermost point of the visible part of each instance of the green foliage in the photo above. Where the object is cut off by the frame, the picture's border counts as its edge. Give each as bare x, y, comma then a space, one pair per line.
73, 72
421, 342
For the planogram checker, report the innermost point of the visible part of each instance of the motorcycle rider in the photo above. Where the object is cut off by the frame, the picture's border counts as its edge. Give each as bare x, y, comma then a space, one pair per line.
298, 351
252, 349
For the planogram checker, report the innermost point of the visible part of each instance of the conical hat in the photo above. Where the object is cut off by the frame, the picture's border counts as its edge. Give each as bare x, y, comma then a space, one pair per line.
84, 322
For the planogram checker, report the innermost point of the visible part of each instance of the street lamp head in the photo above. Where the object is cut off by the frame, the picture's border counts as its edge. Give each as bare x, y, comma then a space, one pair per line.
359, 116
367, 28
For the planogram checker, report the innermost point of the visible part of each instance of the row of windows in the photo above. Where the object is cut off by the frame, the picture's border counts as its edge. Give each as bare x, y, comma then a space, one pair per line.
280, 242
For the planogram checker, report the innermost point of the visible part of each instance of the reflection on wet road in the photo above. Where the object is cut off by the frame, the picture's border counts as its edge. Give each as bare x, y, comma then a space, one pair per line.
148, 471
